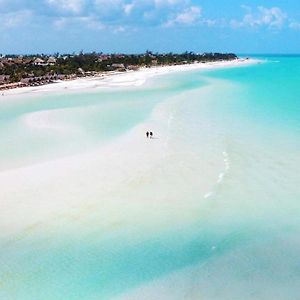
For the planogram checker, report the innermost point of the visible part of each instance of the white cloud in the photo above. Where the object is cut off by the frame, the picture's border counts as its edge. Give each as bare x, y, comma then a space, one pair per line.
269, 17
210, 23
159, 3
60, 23
108, 4
247, 8
128, 8
273, 17
294, 25
119, 29
73, 6
188, 16
112, 9
92, 22
15, 19
88, 21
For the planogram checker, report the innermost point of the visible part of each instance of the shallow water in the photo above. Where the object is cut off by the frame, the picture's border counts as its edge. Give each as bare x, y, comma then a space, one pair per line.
209, 210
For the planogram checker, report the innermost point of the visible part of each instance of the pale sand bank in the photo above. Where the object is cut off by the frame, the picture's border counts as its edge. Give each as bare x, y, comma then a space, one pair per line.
116, 182
111, 178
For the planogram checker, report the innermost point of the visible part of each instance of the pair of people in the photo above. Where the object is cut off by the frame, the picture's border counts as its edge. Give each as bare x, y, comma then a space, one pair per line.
149, 134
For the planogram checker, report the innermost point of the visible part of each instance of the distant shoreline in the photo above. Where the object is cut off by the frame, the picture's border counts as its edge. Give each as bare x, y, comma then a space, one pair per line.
115, 79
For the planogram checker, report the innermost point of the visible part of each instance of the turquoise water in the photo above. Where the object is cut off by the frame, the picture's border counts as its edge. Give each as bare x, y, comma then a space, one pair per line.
98, 116
237, 240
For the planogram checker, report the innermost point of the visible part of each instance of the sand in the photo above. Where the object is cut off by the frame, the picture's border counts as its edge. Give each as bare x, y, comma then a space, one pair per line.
69, 187
121, 79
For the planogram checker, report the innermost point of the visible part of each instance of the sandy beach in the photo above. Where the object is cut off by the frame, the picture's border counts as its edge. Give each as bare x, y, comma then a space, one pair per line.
117, 166
121, 79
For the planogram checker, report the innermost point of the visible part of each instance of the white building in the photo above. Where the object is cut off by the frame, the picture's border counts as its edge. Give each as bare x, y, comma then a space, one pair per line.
51, 61
39, 62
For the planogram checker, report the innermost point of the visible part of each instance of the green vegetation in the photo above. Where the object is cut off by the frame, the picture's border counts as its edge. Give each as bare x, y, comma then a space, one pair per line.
20, 68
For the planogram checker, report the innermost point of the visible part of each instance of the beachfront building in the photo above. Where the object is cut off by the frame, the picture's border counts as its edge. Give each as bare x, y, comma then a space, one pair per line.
18, 60
80, 71
27, 81
4, 79
133, 67
51, 61
7, 61
119, 67
103, 57
61, 77
39, 62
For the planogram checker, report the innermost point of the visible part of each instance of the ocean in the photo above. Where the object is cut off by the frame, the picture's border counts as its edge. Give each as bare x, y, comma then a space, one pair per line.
208, 209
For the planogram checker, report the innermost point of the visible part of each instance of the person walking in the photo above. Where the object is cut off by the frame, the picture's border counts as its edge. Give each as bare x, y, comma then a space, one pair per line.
147, 134
151, 134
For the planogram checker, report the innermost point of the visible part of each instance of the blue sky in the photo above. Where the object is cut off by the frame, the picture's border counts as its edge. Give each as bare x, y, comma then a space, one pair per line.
131, 26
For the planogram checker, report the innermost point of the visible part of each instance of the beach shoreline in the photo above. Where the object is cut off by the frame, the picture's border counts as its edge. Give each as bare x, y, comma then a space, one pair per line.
120, 79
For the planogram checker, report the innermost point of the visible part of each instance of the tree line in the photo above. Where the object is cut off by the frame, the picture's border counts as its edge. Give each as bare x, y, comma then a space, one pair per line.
70, 64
